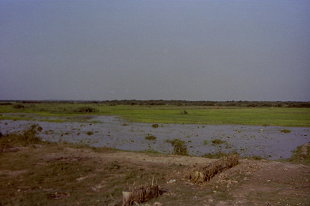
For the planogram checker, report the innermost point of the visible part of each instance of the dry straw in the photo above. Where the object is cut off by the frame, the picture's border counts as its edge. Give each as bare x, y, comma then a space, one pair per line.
205, 173
140, 195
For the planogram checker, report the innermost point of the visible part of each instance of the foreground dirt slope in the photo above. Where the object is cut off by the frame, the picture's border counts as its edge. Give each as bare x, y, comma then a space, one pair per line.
63, 175
254, 182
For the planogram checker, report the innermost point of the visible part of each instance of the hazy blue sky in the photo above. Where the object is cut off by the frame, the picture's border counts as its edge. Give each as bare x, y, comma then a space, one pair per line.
169, 49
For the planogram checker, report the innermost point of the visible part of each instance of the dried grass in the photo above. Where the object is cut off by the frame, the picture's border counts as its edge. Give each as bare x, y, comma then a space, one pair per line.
205, 173
140, 195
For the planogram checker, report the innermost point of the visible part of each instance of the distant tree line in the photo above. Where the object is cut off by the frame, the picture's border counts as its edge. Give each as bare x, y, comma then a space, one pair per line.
172, 102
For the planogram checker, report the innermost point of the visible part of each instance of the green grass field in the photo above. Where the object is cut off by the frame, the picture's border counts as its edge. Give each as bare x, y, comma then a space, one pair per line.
265, 116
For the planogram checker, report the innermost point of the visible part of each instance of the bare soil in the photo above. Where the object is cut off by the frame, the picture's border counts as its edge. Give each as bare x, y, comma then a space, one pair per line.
65, 175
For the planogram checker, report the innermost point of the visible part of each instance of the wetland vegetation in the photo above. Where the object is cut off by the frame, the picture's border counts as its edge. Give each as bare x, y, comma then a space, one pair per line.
179, 147
150, 137
288, 114
37, 171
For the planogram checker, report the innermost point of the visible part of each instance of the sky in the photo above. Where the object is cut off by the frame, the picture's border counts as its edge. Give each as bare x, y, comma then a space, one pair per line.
212, 50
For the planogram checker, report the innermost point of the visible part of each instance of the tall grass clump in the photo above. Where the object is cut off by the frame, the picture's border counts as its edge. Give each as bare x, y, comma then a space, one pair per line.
180, 147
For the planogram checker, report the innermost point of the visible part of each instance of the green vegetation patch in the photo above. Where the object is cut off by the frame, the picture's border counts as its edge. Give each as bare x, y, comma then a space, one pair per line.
285, 131
279, 116
18, 106
217, 141
86, 109
26, 137
256, 157
155, 126
150, 137
39, 128
301, 155
89, 133
150, 151
180, 147
276, 116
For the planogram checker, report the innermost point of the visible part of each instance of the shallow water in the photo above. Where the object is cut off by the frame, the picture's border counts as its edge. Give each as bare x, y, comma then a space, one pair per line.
268, 142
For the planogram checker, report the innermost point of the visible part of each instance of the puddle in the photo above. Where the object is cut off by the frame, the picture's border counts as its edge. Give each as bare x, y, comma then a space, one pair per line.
268, 142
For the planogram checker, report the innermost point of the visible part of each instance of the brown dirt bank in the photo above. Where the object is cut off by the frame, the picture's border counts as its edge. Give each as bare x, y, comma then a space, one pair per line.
54, 174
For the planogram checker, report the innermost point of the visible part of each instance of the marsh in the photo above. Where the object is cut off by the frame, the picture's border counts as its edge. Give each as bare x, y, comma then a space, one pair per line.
111, 131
